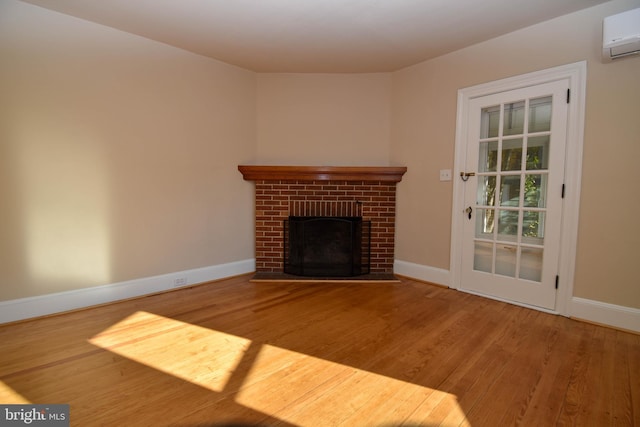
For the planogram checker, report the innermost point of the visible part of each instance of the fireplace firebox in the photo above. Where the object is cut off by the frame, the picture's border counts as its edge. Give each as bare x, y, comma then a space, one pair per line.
327, 246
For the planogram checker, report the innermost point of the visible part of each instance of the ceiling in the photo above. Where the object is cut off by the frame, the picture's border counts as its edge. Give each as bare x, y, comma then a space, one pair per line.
323, 36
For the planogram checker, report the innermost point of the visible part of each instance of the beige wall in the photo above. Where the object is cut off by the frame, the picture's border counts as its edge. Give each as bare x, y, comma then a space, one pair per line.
423, 136
118, 156
324, 119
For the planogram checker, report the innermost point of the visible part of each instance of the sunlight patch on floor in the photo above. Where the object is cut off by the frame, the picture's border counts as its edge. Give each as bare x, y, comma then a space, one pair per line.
293, 387
309, 389
10, 396
199, 355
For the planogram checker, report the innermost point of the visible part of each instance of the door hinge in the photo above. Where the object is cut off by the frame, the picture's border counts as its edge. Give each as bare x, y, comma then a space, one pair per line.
557, 280
568, 95
563, 191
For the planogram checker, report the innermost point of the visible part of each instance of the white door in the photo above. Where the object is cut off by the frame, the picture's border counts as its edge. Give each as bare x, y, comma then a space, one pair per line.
513, 189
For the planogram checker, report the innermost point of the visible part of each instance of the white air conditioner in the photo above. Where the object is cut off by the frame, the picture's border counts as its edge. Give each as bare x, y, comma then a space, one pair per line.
621, 35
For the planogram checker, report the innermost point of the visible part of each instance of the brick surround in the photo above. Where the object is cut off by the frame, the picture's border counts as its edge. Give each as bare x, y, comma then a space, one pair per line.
276, 199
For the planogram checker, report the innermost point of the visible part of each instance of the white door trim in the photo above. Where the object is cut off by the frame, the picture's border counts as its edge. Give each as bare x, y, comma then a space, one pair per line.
576, 74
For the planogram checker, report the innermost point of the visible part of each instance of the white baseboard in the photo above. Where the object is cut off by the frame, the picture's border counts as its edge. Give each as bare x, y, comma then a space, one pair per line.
617, 316
25, 308
425, 273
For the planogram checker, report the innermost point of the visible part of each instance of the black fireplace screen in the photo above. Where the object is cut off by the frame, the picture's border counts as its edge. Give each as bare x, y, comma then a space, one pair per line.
327, 246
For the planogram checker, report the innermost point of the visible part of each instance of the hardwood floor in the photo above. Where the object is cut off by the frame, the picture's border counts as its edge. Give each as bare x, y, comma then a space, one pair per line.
322, 354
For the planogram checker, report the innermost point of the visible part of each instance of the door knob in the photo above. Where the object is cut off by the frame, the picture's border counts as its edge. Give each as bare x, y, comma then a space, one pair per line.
465, 175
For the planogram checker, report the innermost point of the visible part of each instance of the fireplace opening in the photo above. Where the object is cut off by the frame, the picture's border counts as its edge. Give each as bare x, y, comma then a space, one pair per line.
327, 246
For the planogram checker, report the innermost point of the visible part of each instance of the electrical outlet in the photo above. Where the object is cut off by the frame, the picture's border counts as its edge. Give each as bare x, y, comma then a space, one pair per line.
180, 281
445, 175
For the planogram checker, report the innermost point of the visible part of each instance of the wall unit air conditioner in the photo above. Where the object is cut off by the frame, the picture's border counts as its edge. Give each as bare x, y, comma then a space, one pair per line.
621, 35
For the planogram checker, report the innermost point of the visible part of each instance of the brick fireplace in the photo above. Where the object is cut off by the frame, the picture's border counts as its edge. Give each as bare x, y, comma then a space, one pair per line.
282, 191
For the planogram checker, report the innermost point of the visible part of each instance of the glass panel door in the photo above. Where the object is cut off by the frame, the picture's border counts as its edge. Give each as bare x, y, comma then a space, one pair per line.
515, 149
513, 139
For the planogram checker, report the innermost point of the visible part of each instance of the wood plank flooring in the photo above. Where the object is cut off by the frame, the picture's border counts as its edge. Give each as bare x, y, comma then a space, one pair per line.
322, 354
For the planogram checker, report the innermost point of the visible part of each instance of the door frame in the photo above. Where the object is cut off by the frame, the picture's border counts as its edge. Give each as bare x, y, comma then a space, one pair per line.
576, 74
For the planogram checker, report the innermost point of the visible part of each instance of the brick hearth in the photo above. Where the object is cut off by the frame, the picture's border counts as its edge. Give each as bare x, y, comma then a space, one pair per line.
282, 190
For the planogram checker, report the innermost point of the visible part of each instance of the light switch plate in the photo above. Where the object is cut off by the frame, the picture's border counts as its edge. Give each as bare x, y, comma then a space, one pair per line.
445, 174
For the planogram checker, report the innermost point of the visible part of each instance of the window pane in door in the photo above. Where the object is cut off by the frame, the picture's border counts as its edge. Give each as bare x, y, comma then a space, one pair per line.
538, 153
513, 119
485, 220
486, 190
489, 122
506, 260
533, 224
483, 257
531, 264
510, 190
508, 225
488, 156
540, 114
535, 190
511, 155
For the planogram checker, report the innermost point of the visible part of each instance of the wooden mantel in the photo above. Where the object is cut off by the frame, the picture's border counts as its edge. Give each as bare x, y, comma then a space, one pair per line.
322, 173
